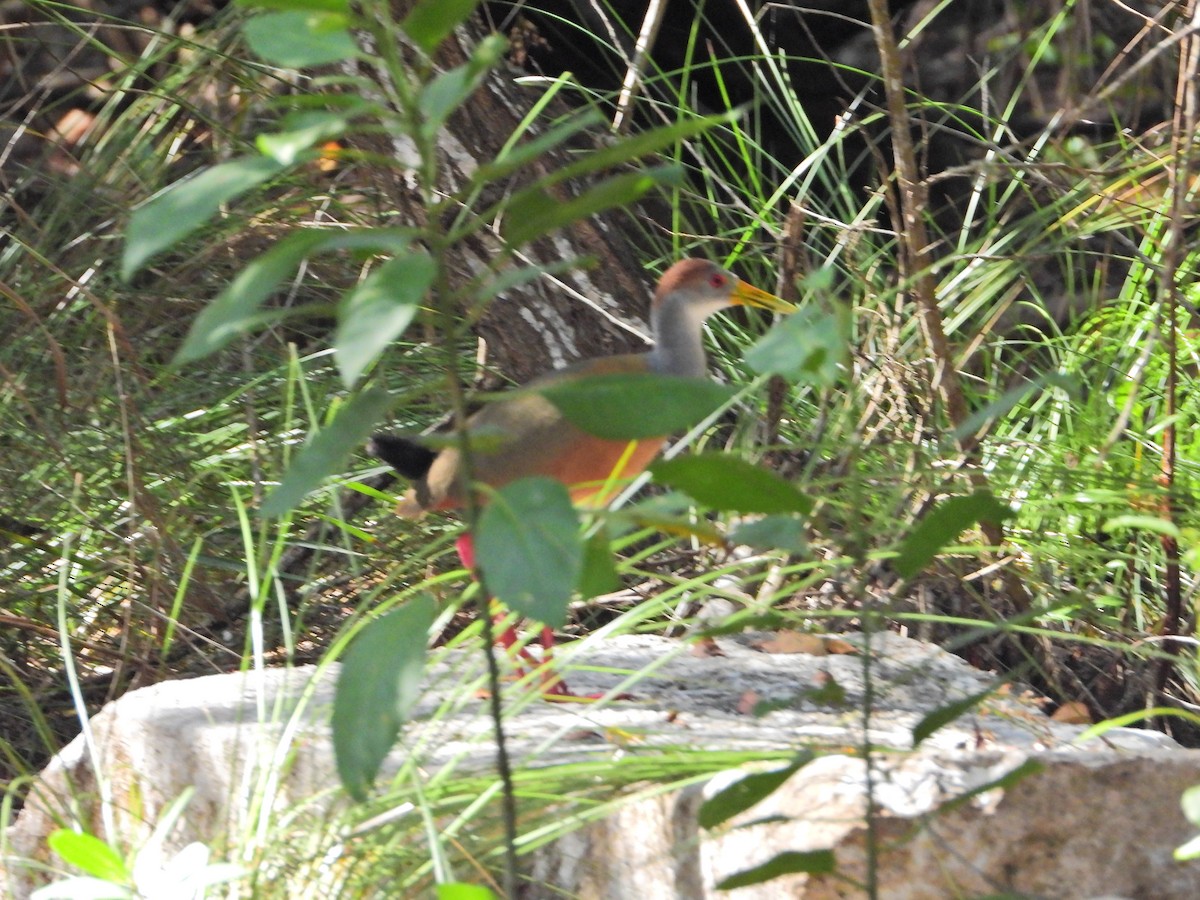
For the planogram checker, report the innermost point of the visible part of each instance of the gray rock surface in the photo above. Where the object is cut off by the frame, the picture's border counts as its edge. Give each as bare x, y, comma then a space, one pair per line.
1087, 820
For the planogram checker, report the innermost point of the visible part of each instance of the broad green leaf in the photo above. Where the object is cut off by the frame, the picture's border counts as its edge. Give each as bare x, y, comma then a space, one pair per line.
431, 21
446, 92
599, 573
646, 143
528, 548
944, 715
942, 525
379, 310
325, 454
687, 527
301, 133
721, 481
747, 791
300, 39
635, 406
535, 212
1142, 523
89, 853
538, 197
236, 310
787, 533
456, 890
671, 513
528, 214
523, 154
810, 345
177, 211
790, 862
379, 682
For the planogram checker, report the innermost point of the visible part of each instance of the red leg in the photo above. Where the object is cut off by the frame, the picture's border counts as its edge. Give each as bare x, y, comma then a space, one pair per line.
507, 638
466, 550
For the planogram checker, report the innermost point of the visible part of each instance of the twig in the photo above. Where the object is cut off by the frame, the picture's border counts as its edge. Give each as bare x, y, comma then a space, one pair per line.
1183, 127
653, 20
916, 267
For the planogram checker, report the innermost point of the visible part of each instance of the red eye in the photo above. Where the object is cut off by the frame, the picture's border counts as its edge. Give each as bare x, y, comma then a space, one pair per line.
717, 280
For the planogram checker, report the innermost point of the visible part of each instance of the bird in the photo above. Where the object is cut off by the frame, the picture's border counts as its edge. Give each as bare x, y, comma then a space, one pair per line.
524, 434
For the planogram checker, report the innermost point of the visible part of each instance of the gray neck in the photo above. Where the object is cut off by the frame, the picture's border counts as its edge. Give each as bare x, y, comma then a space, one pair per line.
678, 345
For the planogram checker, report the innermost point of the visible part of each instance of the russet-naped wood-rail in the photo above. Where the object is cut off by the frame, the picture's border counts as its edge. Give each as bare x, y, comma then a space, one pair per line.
526, 435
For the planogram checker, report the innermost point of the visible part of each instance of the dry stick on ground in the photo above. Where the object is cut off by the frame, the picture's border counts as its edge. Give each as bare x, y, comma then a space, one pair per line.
916, 269
1183, 126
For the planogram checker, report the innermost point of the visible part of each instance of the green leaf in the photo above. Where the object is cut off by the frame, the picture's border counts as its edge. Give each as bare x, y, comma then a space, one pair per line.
599, 573
943, 524
431, 21
1142, 523
787, 533
535, 212
634, 406
456, 890
446, 92
302, 132
528, 547
523, 154
747, 791
646, 143
379, 682
325, 453
1190, 803
379, 310
89, 853
236, 310
944, 715
300, 39
671, 513
721, 481
790, 862
810, 345
178, 210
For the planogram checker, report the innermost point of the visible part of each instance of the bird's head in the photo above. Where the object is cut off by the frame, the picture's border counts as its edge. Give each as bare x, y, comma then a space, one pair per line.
694, 289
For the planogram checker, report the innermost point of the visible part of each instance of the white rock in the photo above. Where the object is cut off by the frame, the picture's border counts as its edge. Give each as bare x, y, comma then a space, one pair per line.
1097, 820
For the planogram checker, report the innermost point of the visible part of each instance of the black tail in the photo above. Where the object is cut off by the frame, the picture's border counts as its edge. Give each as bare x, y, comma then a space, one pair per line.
408, 457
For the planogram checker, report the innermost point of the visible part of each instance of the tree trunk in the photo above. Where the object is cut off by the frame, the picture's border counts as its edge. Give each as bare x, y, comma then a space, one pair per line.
593, 311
